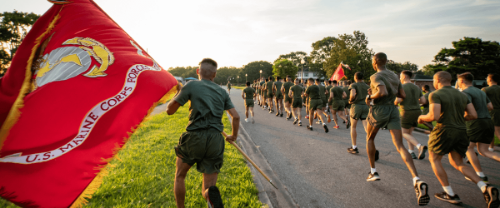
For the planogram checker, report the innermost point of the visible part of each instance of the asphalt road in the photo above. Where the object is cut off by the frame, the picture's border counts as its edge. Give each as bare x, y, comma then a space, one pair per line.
319, 172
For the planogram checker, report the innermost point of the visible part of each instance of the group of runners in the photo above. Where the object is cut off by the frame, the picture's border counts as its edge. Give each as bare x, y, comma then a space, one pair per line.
465, 120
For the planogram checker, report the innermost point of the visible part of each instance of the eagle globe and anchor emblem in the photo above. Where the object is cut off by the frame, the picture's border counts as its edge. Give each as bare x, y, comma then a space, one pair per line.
67, 62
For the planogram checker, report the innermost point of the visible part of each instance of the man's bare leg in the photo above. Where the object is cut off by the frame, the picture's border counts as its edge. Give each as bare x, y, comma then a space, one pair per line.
246, 112
412, 143
497, 133
483, 150
208, 181
370, 144
179, 183
397, 139
471, 155
318, 112
354, 134
457, 162
334, 115
342, 116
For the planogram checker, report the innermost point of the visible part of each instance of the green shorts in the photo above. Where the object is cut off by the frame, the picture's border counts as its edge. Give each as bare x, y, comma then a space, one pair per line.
325, 101
495, 116
338, 105
249, 102
315, 104
409, 118
269, 95
279, 95
289, 99
384, 117
203, 147
346, 104
443, 140
480, 130
359, 112
297, 103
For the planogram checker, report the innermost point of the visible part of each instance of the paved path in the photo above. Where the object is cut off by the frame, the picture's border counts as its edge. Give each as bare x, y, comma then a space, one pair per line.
318, 172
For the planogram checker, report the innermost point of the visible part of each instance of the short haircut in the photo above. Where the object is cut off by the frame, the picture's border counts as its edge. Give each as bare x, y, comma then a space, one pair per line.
208, 67
317, 80
297, 79
443, 77
466, 76
334, 82
382, 57
270, 78
358, 75
310, 80
427, 88
407, 73
248, 83
278, 78
348, 82
288, 76
267, 80
495, 77
329, 82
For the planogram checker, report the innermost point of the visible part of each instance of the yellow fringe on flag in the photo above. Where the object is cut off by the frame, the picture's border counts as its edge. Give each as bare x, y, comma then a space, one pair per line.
97, 181
15, 112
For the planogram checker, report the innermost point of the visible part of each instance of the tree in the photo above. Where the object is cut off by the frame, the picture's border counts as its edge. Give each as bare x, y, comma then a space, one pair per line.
468, 55
228, 73
284, 67
397, 67
320, 54
184, 72
14, 26
296, 58
253, 70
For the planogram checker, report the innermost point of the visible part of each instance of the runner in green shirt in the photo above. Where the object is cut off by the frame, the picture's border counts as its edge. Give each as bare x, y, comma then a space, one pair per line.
268, 88
203, 143
288, 100
323, 93
427, 90
295, 93
493, 92
347, 106
451, 108
315, 103
359, 109
384, 88
263, 93
410, 113
228, 87
336, 99
278, 96
247, 94
328, 86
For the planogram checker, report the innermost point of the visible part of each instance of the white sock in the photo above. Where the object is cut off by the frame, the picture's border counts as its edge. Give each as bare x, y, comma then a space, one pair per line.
295, 118
324, 124
418, 146
415, 180
354, 146
373, 170
410, 151
480, 174
448, 190
482, 186
491, 149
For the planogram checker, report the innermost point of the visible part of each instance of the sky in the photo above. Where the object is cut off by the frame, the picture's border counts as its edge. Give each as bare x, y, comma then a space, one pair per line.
235, 32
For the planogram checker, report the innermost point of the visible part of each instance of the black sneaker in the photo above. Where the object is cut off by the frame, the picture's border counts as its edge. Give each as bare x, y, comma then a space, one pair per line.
443, 196
281, 115
373, 177
421, 191
295, 121
326, 128
277, 113
377, 154
421, 154
270, 111
413, 156
348, 124
484, 179
352, 151
300, 123
344, 121
309, 127
491, 197
214, 199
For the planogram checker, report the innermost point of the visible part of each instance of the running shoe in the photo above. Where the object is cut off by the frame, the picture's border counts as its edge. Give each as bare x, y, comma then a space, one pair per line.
443, 196
377, 154
307, 116
326, 128
491, 149
290, 116
281, 115
214, 199
373, 177
491, 197
329, 118
277, 113
318, 122
270, 111
300, 123
309, 127
246, 120
352, 150
344, 121
484, 179
421, 154
295, 121
336, 127
315, 116
413, 155
348, 124
421, 191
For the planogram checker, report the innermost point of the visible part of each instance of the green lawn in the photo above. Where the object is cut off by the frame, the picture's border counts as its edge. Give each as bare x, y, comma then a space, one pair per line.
240, 87
143, 175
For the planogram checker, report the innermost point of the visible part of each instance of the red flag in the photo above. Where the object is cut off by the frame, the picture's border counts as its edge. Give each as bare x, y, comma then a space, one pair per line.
338, 74
77, 86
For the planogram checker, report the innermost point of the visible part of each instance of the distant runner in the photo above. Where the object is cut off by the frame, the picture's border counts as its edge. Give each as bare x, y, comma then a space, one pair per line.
493, 93
359, 109
425, 111
279, 96
228, 87
324, 101
295, 93
247, 95
315, 103
337, 104
288, 99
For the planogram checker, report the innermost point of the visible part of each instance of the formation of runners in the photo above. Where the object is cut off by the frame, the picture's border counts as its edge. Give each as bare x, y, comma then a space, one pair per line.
465, 120
466, 117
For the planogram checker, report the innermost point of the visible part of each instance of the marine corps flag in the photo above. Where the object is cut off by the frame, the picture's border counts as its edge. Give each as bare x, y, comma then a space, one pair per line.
338, 74
77, 87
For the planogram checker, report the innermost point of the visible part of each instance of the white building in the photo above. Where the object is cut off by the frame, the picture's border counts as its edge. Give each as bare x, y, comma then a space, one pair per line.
307, 74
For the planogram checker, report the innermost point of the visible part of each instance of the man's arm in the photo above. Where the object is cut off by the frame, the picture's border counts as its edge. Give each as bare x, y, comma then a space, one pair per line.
331, 96
490, 106
290, 92
422, 100
173, 105
470, 112
344, 95
353, 96
243, 95
398, 101
433, 115
401, 93
235, 123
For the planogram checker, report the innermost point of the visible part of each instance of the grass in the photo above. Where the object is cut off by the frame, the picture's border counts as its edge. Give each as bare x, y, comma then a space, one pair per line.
143, 176
240, 87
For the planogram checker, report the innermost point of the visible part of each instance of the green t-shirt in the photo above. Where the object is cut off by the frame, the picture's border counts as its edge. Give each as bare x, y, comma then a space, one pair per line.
328, 88
297, 91
229, 85
278, 86
453, 105
262, 86
322, 91
390, 81
249, 92
208, 102
426, 96
313, 92
413, 94
361, 92
269, 86
493, 94
480, 101
287, 86
337, 93
347, 92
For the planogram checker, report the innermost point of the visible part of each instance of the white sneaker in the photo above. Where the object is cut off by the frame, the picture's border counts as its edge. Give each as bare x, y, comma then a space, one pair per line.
491, 149
246, 120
